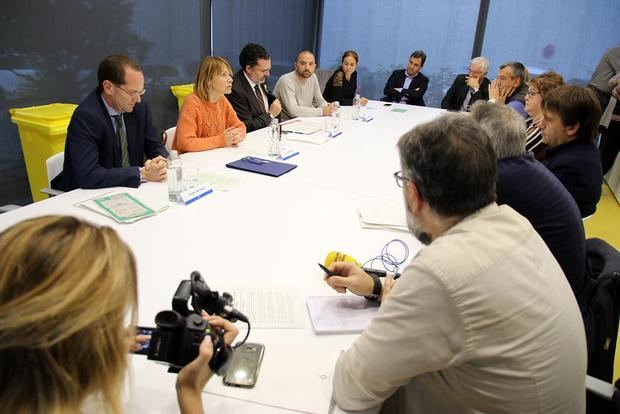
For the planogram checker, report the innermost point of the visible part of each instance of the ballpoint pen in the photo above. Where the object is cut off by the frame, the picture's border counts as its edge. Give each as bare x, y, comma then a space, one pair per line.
327, 271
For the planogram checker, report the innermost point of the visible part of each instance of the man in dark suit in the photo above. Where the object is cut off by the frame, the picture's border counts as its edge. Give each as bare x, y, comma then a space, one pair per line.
468, 88
254, 104
534, 192
571, 115
408, 85
111, 134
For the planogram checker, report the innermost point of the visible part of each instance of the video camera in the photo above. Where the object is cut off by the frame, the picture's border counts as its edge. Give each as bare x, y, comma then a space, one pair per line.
179, 333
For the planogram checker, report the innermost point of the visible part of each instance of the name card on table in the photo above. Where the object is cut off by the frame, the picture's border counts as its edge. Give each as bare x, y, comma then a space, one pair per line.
195, 193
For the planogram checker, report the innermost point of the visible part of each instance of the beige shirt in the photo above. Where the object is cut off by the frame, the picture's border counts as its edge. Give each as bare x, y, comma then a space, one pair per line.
482, 321
299, 98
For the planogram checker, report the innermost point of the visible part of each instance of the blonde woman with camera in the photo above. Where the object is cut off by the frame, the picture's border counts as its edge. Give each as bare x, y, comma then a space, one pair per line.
66, 288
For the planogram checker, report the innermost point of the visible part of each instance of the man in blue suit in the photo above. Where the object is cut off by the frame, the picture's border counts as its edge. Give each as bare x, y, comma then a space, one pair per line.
111, 134
408, 85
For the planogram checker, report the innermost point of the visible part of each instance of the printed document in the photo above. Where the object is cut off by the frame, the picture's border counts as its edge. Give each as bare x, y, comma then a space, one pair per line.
269, 307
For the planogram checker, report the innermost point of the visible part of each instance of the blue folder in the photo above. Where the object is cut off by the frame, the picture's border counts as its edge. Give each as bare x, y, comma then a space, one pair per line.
261, 166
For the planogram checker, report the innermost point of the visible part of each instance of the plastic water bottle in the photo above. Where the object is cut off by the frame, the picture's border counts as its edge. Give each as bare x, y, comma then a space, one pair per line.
174, 175
356, 107
336, 114
274, 138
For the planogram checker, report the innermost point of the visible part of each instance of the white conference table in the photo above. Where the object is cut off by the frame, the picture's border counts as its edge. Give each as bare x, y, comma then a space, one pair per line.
261, 232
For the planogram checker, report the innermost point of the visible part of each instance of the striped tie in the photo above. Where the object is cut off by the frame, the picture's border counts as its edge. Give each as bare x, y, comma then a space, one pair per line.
122, 139
259, 96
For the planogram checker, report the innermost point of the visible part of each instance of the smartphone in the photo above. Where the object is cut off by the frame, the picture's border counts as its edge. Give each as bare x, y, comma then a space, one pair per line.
144, 346
387, 104
245, 365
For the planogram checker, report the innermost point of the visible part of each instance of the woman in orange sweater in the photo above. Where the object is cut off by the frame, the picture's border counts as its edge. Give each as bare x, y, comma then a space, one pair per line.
207, 120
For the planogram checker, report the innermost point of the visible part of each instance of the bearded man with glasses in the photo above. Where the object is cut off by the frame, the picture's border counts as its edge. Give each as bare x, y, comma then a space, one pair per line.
482, 320
111, 133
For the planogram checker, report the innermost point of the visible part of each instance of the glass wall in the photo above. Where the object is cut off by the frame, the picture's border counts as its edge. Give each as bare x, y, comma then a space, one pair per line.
384, 33
283, 27
49, 49
568, 36
49, 52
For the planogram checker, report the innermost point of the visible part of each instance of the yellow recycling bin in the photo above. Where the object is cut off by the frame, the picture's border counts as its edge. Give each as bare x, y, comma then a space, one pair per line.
181, 92
42, 131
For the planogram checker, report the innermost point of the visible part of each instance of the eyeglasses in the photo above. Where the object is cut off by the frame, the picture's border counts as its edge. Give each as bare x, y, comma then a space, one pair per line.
531, 93
475, 72
133, 94
400, 178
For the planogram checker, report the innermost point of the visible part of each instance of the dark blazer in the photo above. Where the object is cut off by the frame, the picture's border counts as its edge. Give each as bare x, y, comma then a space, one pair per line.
577, 165
244, 102
92, 151
534, 192
414, 93
458, 91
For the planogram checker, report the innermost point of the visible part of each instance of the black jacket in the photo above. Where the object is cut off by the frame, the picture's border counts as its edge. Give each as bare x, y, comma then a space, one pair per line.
244, 102
92, 151
458, 91
414, 93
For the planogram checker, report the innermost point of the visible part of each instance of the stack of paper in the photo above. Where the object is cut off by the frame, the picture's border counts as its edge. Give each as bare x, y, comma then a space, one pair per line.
316, 138
301, 126
124, 207
386, 215
340, 314
305, 130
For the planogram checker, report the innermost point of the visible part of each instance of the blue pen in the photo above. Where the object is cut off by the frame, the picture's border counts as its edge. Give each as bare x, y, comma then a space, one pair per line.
290, 156
258, 161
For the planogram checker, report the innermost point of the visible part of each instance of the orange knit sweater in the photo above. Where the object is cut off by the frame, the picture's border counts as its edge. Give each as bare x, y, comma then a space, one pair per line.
201, 124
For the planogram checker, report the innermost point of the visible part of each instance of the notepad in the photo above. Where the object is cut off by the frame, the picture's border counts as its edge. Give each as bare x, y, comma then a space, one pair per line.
261, 166
124, 207
340, 314
382, 215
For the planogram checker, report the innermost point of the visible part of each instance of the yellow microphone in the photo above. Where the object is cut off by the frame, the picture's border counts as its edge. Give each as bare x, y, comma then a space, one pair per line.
342, 257
339, 257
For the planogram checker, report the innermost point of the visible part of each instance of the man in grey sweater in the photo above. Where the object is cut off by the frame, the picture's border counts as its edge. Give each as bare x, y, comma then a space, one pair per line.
299, 90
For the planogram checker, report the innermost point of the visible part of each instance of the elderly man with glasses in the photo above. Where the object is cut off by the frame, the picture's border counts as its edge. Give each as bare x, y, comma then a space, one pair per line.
111, 133
468, 88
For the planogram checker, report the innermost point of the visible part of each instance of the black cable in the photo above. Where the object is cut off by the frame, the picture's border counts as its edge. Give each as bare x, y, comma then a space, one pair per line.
238, 344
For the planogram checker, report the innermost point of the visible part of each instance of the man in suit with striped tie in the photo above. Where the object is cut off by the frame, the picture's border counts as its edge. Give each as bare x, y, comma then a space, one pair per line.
254, 104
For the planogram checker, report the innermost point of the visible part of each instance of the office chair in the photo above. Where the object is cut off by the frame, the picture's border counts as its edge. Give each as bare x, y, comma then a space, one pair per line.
603, 306
53, 166
168, 137
8, 207
323, 76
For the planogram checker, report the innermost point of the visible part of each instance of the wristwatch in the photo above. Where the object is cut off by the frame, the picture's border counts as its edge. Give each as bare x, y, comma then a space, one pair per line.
376, 290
